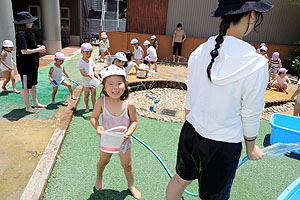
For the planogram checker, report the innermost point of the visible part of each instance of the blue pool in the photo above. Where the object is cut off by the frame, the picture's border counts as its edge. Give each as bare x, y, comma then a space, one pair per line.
292, 192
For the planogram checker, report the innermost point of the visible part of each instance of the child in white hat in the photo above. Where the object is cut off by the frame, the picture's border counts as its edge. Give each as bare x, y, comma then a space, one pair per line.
137, 51
154, 42
7, 65
116, 111
151, 52
56, 76
103, 47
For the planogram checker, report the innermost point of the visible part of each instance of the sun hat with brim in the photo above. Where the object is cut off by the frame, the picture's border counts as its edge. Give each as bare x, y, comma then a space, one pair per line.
146, 43
24, 17
7, 43
233, 7
59, 56
283, 70
153, 37
86, 47
275, 55
147, 58
104, 36
134, 41
263, 48
121, 56
112, 70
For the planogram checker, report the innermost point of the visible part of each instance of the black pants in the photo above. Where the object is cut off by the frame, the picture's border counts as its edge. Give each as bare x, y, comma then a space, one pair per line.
179, 46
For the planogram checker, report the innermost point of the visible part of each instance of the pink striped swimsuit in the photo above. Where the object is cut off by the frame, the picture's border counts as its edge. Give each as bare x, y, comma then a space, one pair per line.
110, 121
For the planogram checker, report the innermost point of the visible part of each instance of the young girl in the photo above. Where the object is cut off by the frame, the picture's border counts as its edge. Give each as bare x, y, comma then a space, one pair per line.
282, 81
86, 67
263, 51
116, 110
274, 65
120, 60
138, 51
56, 76
297, 102
154, 42
228, 68
7, 65
103, 47
151, 52
141, 68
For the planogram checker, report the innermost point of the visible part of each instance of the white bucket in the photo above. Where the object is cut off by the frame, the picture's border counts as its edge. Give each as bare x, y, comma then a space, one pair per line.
151, 74
111, 139
94, 82
109, 59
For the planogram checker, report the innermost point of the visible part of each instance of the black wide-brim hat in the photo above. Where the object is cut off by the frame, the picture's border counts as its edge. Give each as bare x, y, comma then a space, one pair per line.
24, 17
233, 7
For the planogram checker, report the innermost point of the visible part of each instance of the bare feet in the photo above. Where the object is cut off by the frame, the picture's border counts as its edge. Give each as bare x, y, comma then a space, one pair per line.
17, 92
38, 105
5, 89
73, 98
135, 193
31, 110
53, 102
87, 110
98, 184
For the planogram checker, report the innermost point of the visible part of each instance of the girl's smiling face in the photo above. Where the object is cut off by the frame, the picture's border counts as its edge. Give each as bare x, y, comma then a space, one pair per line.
114, 86
59, 63
86, 54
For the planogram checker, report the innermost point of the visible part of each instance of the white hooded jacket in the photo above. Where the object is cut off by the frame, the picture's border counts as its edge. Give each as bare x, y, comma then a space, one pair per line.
228, 107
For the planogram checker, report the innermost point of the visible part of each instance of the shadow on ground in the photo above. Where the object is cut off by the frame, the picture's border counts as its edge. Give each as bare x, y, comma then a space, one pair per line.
82, 113
56, 106
108, 194
5, 93
16, 114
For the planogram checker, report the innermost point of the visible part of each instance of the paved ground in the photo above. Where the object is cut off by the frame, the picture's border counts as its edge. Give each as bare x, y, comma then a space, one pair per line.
24, 138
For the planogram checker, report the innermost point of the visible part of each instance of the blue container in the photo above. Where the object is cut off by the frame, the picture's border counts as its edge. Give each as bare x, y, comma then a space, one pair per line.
292, 192
285, 129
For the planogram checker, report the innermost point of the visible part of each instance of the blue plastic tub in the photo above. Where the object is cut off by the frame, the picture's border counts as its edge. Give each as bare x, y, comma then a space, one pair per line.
285, 129
292, 192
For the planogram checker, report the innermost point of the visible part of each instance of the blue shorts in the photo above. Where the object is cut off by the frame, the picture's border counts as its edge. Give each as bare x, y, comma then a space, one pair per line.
275, 70
213, 163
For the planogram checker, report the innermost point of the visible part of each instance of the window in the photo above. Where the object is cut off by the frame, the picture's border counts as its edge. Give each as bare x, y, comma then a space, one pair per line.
65, 18
35, 12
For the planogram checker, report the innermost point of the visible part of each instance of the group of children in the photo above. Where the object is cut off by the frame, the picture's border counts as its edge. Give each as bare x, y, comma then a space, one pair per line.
277, 74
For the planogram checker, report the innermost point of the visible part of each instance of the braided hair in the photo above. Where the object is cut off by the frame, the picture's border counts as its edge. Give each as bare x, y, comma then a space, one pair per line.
225, 23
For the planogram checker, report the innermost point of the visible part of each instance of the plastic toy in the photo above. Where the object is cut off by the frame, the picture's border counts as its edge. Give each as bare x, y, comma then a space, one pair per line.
155, 100
152, 108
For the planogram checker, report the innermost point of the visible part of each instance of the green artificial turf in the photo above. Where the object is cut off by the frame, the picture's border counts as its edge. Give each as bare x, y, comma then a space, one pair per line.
74, 173
13, 107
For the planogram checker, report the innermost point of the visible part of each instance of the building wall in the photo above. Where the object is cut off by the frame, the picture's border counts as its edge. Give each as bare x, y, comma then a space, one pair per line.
280, 26
147, 16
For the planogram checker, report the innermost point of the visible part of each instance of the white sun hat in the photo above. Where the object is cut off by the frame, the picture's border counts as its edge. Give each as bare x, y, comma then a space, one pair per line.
104, 36
121, 56
146, 43
153, 37
264, 48
134, 41
112, 70
8, 43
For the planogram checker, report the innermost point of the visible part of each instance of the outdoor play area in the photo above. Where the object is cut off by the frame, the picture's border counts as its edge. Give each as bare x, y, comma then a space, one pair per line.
160, 106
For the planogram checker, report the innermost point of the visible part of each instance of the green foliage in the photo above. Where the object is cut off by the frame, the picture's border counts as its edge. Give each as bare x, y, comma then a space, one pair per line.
294, 2
293, 62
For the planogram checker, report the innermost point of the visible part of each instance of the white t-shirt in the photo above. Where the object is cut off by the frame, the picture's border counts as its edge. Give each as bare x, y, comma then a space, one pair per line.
88, 68
57, 73
298, 96
142, 74
280, 80
152, 53
130, 65
138, 53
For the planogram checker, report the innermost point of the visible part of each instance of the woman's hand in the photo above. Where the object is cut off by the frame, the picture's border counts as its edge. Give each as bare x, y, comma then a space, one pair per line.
125, 137
254, 153
99, 129
41, 50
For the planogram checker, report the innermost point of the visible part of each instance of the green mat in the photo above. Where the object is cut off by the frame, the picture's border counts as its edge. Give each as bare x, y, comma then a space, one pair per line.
12, 106
74, 173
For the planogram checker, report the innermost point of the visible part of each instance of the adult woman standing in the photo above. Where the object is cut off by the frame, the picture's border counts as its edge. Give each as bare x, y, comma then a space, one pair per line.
28, 58
178, 38
225, 97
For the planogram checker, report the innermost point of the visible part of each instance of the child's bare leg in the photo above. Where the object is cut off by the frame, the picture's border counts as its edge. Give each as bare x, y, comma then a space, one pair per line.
297, 109
53, 94
66, 83
284, 87
86, 91
126, 164
102, 55
93, 91
137, 61
176, 187
155, 65
13, 82
103, 161
7, 79
273, 75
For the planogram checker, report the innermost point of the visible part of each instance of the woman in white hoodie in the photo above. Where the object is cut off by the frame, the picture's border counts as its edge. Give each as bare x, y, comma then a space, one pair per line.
225, 97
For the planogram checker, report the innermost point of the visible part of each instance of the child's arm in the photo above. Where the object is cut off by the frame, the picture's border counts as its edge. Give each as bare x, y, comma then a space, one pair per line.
296, 93
96, 74
142, 53
50, 72
156, 46
64, 71
95, 116
3, 56
133, 121
84, 74
280, 64
141, 69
